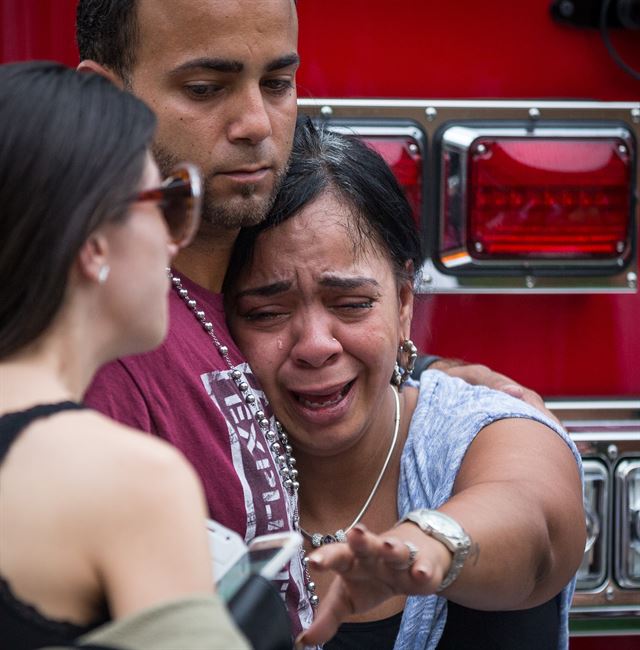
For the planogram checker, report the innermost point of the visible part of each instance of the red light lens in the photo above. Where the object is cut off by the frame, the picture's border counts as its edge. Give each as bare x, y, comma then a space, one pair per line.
405, 159
548, 198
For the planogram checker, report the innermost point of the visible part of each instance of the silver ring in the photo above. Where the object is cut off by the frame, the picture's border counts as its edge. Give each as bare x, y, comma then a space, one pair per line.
413, 553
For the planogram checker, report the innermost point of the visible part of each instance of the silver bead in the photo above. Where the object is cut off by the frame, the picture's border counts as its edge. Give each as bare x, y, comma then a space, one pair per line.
263, 422
283, 437
270, 436
260, 415
314, 600
250, 399
288, 484
311, 586
243, 386
191, 303
183, 293
223, 349
316, 540
292, 461
296, 486
293, 472
208, 326
281, 460
340, 536
305, 561
285, 472
200, 315
276, 447
236, 374
176, 281
288, 449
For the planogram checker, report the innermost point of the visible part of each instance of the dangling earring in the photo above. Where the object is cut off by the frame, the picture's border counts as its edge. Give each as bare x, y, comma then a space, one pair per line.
402, 373
103, 273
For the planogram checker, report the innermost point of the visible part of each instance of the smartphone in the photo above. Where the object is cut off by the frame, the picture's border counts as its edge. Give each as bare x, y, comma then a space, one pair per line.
266, 556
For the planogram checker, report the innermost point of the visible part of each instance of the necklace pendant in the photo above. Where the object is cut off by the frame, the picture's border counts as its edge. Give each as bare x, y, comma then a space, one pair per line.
317, 540
340, 536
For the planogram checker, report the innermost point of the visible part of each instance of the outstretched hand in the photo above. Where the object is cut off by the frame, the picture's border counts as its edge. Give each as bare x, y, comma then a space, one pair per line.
370, 569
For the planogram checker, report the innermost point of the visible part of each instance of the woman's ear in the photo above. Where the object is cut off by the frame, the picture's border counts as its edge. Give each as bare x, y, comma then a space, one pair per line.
405, 299
89, 65
92, 260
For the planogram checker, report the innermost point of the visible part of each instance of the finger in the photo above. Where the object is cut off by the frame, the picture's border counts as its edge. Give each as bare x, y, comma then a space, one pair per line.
399, 554
334, 557
334, 608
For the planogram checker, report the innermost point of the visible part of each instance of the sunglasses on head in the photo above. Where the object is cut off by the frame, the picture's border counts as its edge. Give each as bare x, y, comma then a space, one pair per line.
180, 200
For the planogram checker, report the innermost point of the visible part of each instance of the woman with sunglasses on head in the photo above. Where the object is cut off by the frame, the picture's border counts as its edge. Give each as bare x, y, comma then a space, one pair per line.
443, 492
98, 523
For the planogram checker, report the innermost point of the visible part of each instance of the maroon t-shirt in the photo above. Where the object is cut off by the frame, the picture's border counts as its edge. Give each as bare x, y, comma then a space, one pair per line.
183, 392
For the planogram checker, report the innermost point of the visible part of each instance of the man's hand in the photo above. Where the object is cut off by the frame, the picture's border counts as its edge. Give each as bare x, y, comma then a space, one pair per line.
479, 375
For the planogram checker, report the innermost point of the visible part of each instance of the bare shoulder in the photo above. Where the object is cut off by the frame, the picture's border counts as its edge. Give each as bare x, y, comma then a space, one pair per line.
85, 452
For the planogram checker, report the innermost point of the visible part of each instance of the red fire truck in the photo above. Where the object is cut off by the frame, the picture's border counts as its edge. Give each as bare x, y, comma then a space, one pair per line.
514, 128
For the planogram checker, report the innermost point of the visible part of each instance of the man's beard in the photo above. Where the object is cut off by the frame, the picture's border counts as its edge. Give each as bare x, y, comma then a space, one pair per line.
233, 214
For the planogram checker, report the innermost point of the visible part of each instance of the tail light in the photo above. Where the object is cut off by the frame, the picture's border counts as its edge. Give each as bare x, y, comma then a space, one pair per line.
593, 569
402, 148
540, 199
627, 566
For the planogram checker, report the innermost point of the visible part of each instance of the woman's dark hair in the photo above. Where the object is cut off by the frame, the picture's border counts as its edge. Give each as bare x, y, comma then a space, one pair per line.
323, 160
72, 152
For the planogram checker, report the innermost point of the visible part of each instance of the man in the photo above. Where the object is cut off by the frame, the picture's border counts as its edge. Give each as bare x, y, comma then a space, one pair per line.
220, 76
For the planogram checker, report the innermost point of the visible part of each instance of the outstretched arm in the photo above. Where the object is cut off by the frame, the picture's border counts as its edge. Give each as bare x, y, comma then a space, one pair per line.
525, 519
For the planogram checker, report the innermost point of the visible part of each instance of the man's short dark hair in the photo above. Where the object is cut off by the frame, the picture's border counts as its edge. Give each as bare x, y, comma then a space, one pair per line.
107, 32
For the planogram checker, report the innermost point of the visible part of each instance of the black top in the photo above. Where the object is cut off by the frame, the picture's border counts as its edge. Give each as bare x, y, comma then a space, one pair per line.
23, 627
465, 629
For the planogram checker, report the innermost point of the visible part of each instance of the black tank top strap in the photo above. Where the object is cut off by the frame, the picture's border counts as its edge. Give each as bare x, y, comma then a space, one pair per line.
11, 424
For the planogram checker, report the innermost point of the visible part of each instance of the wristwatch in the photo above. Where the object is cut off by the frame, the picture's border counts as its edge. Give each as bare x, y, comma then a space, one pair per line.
448, 531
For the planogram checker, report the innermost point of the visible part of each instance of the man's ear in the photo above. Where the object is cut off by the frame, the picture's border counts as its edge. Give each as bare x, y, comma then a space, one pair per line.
93, 257
89, 65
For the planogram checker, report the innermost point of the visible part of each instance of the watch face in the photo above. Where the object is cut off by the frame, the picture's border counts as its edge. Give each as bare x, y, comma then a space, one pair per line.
447, 527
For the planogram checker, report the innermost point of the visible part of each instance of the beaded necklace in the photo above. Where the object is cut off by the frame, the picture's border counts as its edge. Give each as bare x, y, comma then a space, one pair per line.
282, 451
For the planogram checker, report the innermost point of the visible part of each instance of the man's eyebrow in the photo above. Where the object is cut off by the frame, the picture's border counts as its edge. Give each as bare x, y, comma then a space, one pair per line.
217, 65
351, 282
283, 62
266, 290
233, 66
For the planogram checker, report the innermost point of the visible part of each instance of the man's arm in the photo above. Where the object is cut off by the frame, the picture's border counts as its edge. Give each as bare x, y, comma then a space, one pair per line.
479, 375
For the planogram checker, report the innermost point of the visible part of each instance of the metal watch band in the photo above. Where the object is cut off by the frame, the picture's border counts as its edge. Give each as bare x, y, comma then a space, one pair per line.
448, 531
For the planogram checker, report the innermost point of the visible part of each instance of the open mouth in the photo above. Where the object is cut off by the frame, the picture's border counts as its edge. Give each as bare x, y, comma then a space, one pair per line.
323, 401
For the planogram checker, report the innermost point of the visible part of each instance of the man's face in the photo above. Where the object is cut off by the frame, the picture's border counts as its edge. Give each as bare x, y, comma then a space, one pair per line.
220, 75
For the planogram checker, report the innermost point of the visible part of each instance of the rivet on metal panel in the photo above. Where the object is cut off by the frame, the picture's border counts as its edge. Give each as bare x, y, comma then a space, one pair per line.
413, 147
431, 113
478, 247
632, 280
622, 149
566, 8
481, 149
612, 452
635, 114
530, 281
609, 593
534, 113
326, 111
